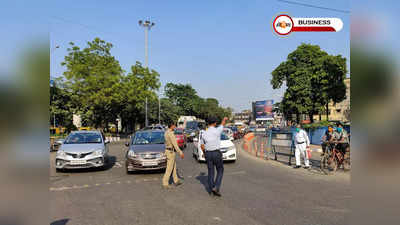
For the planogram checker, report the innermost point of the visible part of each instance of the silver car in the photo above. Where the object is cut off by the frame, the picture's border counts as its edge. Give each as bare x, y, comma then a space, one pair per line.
82, 149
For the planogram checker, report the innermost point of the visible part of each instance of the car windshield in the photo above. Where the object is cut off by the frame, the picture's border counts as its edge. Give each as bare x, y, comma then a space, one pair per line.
83, 138
191, 125
178, 131
224, 137
145, 138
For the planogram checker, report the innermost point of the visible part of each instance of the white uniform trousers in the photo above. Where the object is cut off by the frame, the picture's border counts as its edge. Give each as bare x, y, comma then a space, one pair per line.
301, 150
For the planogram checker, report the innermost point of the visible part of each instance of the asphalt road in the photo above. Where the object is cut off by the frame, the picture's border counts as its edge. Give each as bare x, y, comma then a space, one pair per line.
253, 192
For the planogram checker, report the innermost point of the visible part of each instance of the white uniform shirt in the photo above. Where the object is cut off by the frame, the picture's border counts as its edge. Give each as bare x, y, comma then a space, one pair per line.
211, 138
302, 136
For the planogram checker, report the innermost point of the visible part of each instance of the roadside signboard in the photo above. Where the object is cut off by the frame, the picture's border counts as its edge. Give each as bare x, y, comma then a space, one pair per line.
263, 110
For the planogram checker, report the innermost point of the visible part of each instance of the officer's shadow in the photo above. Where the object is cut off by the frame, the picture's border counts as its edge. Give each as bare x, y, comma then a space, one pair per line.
203, 178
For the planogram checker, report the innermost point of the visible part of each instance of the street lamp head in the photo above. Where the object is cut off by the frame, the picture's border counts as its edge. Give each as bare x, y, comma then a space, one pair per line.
147, 22
152, 24
140, 22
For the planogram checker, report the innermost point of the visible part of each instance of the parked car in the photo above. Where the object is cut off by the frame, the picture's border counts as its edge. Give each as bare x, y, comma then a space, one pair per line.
56, 144
228, 149
146, 151
82, 149
180, 138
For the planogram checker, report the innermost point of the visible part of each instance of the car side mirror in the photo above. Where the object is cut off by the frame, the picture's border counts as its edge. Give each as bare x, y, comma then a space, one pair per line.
195, 139
231, 139
106, 141
59, 142
127, 144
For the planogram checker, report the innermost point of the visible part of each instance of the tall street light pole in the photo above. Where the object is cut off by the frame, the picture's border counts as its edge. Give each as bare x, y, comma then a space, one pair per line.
54, 114
147, 26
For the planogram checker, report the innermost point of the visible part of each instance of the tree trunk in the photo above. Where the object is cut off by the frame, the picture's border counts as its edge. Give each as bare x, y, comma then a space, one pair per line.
320, 117
297, 118
327, 111
311, 115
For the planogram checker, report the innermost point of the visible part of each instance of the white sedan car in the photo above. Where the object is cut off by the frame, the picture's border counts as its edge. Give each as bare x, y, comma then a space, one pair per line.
228, 149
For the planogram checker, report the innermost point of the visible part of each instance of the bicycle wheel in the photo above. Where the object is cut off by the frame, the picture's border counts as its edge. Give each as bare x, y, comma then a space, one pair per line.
328, 164
346, 161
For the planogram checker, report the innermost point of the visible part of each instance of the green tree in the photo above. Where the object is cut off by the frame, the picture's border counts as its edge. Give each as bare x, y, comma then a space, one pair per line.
313, 78
61, 106
94, 76
182, 95
139, 84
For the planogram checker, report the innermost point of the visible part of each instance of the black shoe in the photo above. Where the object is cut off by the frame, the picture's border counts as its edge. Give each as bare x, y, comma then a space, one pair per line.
296, 167
306, 167
216, 192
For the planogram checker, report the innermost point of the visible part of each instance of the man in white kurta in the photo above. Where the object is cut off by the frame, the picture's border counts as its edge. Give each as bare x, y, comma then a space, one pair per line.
302, 142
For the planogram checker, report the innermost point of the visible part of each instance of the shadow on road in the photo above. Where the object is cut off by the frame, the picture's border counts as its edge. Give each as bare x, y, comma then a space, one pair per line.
203, 178
60, 222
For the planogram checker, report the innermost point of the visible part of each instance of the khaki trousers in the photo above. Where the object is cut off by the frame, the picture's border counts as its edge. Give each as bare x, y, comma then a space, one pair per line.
171, 168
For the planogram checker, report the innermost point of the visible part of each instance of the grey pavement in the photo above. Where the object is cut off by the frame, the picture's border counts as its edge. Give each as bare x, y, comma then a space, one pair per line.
254, 191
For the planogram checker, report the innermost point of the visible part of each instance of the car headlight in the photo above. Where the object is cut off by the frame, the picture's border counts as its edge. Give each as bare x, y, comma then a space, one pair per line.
131, 154
61, 153
231, 148
161, 155
98, 152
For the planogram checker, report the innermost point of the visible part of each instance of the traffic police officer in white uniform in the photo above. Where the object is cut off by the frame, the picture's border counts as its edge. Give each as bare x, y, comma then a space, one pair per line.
302, 142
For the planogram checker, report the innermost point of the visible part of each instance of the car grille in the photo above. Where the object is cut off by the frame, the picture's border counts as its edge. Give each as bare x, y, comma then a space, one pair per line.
148, 155
79, 156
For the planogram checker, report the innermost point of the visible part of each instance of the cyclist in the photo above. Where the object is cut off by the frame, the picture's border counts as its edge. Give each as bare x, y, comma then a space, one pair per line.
328, 137
342, 137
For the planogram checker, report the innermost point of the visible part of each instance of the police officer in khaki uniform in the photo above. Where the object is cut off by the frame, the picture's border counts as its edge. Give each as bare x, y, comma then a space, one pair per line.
171, 146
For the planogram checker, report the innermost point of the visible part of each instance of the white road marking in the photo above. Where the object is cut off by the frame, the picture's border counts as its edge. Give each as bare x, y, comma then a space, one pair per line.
217, 218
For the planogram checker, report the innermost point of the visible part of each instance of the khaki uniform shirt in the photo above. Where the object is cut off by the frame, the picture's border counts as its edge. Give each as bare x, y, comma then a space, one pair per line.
170, 141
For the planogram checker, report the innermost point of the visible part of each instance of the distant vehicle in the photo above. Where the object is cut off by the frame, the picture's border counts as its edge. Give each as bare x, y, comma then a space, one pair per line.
228, 149
57, 144
183, 120
191, 130
154, 127
180, 138
82, 149
146, 151
228, 133
252, 129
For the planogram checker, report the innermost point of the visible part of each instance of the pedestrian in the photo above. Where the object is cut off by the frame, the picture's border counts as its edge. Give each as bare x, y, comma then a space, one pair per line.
302, 143
171, 146
210, 145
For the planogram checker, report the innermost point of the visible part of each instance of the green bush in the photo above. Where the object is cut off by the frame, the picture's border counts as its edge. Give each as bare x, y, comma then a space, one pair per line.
317, 125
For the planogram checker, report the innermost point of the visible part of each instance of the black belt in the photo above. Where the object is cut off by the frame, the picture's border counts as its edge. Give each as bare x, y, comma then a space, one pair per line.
169, 149
300, 143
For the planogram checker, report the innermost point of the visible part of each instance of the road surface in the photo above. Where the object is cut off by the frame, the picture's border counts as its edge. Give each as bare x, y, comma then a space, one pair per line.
253, 192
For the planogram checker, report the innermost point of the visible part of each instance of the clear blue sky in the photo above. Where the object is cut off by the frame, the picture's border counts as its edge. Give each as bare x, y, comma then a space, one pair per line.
225, 49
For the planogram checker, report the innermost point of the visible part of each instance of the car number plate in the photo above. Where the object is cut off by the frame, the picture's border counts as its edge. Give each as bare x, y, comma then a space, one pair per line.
150, 163
78, 162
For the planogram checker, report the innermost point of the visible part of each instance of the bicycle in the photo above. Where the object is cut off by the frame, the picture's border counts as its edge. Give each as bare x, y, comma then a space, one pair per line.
333, 158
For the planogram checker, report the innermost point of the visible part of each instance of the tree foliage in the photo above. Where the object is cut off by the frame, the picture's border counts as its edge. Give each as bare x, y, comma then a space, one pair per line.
95, 87
313, 79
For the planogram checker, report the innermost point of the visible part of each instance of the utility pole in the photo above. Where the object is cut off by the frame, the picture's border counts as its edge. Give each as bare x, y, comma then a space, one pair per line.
147, 26
159, 110
54, 85
146, 121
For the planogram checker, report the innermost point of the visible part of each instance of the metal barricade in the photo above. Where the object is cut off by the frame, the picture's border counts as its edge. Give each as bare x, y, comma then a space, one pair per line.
282, 140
